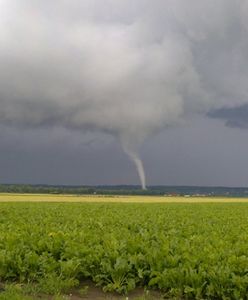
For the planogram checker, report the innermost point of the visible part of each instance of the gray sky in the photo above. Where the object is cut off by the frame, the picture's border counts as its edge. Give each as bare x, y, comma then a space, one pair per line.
89, 87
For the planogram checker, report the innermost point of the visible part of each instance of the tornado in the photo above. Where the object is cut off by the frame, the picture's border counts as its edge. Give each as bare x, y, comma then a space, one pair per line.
140, 168
131, 147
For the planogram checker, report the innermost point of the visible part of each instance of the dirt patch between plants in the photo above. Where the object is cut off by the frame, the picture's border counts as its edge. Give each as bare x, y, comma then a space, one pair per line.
96, 293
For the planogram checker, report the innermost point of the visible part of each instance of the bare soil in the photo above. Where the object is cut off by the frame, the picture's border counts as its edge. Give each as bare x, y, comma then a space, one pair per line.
96, 293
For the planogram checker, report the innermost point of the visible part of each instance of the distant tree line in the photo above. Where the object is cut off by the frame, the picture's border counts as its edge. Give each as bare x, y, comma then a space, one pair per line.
124, 190
43, 189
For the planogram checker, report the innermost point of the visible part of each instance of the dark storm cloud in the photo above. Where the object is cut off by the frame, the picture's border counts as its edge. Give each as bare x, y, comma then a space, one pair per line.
236, 117
83, 64
128, 67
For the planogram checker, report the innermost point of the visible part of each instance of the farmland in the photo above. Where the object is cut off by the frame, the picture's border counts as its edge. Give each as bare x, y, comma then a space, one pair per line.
192, 248
8, 197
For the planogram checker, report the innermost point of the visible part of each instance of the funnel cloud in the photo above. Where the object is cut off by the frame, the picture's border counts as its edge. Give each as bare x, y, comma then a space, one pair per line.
129, 69
140, 169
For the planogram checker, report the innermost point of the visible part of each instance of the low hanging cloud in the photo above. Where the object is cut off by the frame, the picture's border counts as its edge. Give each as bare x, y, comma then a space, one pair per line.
236, 117
129, 68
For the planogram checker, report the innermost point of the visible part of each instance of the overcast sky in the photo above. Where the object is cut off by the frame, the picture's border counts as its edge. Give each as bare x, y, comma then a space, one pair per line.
90, 89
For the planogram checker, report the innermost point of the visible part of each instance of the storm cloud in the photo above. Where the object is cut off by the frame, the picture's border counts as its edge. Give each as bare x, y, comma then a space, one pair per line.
128, 68
236, 117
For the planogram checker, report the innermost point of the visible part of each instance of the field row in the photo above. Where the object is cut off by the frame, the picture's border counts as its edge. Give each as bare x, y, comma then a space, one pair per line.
189, 251
116, 199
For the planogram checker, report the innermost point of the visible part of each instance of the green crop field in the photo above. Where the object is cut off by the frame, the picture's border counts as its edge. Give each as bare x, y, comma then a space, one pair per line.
182, 250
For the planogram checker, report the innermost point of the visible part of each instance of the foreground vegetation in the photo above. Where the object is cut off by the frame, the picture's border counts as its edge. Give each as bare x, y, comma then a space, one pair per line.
187, 251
